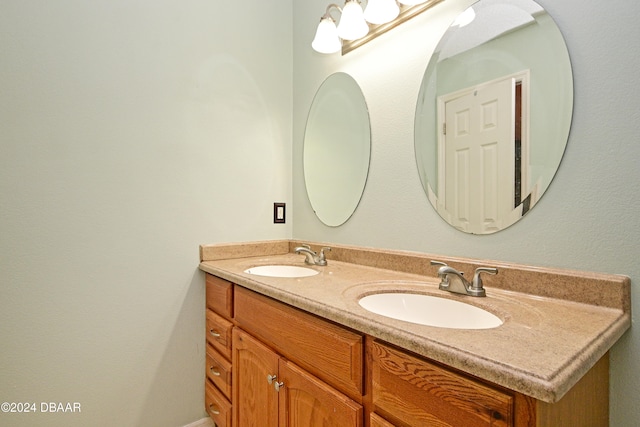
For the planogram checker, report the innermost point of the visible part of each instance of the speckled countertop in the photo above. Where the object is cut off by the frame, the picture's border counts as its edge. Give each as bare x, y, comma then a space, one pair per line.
547, 342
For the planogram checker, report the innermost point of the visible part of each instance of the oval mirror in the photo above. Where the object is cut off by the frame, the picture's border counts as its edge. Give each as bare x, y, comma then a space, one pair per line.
336, 149
493, 114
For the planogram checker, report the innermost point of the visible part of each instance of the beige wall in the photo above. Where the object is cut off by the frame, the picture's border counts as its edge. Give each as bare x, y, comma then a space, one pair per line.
131, 131
588, 218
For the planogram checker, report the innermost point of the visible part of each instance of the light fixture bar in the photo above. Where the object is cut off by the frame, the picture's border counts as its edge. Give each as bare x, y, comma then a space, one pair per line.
406, 13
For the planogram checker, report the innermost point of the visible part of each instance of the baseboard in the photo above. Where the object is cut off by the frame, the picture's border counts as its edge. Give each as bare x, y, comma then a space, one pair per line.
205, 422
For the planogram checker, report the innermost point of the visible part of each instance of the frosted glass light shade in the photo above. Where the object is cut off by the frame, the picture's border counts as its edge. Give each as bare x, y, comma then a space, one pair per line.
381, 11
411, 2
352, 25
326, 39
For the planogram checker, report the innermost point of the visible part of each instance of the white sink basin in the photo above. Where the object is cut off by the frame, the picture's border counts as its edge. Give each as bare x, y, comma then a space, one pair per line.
430, 310
281, 271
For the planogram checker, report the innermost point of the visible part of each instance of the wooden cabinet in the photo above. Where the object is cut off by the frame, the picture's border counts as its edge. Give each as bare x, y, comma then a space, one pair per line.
376, 420
411, 391
292, 368
256, 345
255, 368
218, 372
217, 406
270, 391
326, 350
287, 368
219, 333
306, 401
219, 296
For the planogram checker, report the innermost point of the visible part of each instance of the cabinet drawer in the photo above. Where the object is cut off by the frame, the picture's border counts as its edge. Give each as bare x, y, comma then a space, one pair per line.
218, 408
219, 371
219, 333
219, 296
417, 392
326, 350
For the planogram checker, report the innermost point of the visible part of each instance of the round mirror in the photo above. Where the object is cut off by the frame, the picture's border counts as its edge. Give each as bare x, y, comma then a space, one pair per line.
493, 114
337, 149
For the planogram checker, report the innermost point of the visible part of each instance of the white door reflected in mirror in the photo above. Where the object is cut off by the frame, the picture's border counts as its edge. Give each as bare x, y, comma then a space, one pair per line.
481, 154
475, 182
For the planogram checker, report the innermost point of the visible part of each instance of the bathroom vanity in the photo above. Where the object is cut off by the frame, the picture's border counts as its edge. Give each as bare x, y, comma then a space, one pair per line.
302, 351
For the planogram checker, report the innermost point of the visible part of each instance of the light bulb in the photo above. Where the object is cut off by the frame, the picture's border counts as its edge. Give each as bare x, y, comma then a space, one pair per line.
352, 25
326, 39
381, 11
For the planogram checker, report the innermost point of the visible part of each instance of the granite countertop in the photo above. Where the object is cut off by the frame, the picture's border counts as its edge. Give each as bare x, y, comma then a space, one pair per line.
543, 348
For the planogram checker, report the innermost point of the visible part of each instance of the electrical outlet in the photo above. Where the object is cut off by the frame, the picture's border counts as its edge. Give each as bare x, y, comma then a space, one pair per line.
279, 213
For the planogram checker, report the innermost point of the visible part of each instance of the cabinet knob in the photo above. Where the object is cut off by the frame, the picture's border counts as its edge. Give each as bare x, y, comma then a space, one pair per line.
213, 371
278, 385
214, 333
271, 378
214, 410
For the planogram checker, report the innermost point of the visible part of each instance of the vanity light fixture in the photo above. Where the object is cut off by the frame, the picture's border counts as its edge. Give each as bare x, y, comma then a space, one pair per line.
352, 25
356, 27
381, 11
327, 39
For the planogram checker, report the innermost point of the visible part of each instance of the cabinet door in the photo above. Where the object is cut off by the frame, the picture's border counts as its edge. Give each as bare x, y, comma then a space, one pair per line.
255, 401
326, 350
306, 401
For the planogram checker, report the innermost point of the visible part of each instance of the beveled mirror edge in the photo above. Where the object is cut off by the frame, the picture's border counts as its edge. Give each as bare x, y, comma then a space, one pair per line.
321, 217
376, 30
537, 190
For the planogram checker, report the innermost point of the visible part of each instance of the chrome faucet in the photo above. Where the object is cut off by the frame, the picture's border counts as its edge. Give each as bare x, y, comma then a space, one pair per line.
311, 257
453, 280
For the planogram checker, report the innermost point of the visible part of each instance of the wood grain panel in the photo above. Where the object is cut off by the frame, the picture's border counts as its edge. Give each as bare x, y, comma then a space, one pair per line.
219, 333
217, 406
328, 351
585, 405
306, 401
414, 391
376, 420
218, 371
255, 399
219, 296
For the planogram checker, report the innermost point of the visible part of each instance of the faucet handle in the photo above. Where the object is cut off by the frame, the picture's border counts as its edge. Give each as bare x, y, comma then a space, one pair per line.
322, 260
443, 265
444, 279
477, 280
